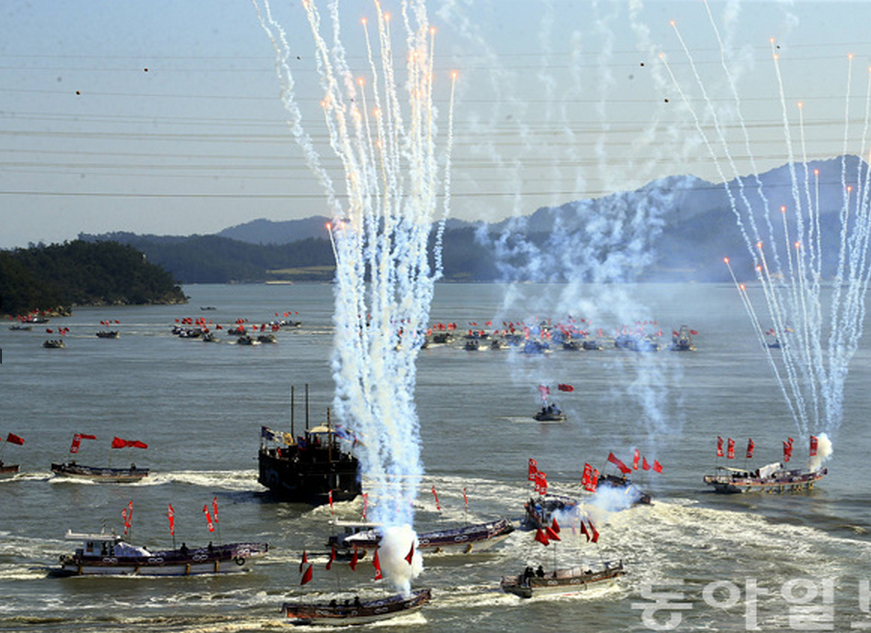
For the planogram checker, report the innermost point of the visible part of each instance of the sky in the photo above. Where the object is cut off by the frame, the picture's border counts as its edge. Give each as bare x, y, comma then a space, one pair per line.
165, 117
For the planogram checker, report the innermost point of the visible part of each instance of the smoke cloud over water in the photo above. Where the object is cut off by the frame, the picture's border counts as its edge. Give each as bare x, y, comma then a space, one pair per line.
385, 140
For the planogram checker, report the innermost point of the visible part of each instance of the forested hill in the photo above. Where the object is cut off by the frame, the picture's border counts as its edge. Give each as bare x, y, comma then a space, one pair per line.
56, 277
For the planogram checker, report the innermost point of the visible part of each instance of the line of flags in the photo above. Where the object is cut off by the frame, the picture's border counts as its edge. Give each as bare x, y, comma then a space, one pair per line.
590, 476
729, 452
306, 569
549, 533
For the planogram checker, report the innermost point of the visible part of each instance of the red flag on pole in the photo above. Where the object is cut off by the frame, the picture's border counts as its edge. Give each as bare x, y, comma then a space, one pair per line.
331, 502
594, 483
410, 556
377, 564
787, 451
750, 447
644, 464
566, 388
14, 439
307, 576
215, 509
171, 516
332, 557
584, 531
208, 518
551, 535
465, 499
541, 537
533, 468
365, 503
435, 494
719, 446
555, 526
657, 467
354, 559
541, 483
635, 459
619, 464
593, 531
730, 451
303, 561
814, 445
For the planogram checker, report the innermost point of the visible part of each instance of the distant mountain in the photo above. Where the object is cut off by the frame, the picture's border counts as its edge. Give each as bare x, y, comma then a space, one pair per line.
677, 228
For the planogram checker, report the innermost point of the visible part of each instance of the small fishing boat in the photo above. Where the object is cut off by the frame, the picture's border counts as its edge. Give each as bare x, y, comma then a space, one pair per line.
108, 334
682, 340
772, 478
477, 537
55, 343
100, 474
8, 470
335, 613
549, 413
531, 583
623, 484
540, 510
107, 554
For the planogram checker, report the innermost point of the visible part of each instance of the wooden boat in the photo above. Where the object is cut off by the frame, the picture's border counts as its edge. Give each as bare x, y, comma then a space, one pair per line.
561, 581
350, 612
107, 554
108, 334
549, 413
313, 468
540, 510
100, 474
477, 537
56, 343
8, 470
772, 478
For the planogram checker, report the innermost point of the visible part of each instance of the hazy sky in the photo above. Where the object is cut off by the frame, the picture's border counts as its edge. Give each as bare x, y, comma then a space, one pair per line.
165, 117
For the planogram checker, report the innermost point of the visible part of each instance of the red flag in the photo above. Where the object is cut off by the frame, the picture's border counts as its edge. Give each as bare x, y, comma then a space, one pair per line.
719, 446
410, 556
555, 526
567, 388
171, 515
644, 464
585, 478
365, 503
208, 518
307, 576
619, 464
787, 451
657, 467
593, 532
215, 509
541, 537
551, 535
584, 531
77, 440
730, 451
85, 436
750, 447
124, 516
465, 499
303, 561
814, 445
377, 565
331, 502
332, 557
541, 483
435, 494
594, 483
533, 468
14, 439
117, 442
354, 559
635, 459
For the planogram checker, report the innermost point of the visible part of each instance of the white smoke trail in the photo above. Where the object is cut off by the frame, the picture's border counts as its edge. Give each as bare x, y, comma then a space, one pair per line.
384, 278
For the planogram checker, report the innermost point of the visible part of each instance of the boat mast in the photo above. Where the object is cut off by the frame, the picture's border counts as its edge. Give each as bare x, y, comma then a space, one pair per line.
292, 433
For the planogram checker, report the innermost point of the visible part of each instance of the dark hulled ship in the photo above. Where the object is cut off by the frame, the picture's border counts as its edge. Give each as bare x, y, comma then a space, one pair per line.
312, 468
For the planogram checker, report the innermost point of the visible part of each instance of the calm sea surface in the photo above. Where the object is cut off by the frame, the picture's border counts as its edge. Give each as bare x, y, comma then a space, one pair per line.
695, 560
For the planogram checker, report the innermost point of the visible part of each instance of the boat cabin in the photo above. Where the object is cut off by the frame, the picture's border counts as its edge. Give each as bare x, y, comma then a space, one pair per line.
104, 544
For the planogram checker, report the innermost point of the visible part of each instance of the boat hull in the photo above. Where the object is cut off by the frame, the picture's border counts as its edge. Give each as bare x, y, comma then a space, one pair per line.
562, 581
223, 559
478, 537
100, 474
309, 475
8, 471
362, 613
791, 481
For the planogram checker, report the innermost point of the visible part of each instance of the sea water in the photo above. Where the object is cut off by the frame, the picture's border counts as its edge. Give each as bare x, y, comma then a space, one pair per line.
695, 560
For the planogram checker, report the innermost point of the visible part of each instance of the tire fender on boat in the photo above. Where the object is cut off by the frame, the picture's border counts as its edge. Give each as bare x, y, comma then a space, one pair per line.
239, 561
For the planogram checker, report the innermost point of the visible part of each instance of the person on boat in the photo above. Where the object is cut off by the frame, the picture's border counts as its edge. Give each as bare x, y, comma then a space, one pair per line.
357, 603
540, 572
183, 550
211, 548
132, 466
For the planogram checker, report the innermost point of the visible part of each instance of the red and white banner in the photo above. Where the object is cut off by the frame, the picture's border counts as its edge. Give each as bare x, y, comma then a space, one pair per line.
208, 518
171, 515
730, 451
